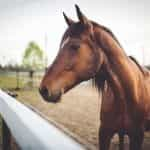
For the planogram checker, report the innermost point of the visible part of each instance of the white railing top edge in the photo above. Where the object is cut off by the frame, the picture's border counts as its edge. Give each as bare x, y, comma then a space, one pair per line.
30, 130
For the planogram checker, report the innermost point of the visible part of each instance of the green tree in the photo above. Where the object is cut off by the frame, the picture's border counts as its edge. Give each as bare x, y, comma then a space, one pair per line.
33, 57
33, 60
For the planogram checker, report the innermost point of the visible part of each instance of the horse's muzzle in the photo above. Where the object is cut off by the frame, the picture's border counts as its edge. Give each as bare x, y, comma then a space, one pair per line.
50, 97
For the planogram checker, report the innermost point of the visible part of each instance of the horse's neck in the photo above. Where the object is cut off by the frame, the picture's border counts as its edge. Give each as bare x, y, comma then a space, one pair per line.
118, 64
106, 80
114, 53
114, 83
112, 94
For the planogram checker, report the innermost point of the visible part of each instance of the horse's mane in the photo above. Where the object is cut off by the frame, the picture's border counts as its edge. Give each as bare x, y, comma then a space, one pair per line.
99, 80
136, 62
143, 69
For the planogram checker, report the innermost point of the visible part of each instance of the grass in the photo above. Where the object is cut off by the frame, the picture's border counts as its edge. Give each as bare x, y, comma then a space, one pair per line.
9, 82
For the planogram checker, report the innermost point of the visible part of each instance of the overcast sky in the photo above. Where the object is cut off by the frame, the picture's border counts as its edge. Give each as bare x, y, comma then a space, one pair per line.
24, 20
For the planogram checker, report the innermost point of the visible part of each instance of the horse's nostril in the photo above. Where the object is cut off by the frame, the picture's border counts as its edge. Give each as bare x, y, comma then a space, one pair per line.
48, 96
44, 92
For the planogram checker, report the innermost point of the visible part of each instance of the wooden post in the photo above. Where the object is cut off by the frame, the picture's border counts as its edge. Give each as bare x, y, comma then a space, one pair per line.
6, 137
17, 78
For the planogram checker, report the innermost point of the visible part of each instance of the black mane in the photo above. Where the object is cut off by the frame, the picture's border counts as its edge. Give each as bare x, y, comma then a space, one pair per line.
136, 62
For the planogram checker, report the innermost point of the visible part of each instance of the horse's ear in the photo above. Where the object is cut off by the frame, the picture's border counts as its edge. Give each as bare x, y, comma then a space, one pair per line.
83, 19
81, 16
68, 20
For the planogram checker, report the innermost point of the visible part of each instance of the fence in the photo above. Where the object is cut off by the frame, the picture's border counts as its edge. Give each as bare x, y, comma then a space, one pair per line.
30, 131
19, 80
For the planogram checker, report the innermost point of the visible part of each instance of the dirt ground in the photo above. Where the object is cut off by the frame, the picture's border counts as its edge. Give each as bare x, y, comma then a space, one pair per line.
78, 111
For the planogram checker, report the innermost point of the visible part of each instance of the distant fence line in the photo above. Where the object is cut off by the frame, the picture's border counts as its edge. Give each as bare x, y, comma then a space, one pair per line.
29, 129
24, 73
22, 78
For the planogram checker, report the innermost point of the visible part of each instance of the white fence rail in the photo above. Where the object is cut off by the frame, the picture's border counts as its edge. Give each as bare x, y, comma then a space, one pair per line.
30, 131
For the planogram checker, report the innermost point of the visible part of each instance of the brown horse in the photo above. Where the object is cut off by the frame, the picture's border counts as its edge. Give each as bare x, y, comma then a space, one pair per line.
109, 106
87, 50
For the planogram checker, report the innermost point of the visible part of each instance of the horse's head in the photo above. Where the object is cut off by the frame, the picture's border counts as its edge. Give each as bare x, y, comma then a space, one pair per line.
78, 59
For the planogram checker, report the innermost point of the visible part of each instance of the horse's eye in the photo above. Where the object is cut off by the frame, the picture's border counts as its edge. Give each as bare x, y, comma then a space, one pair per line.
75, 47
